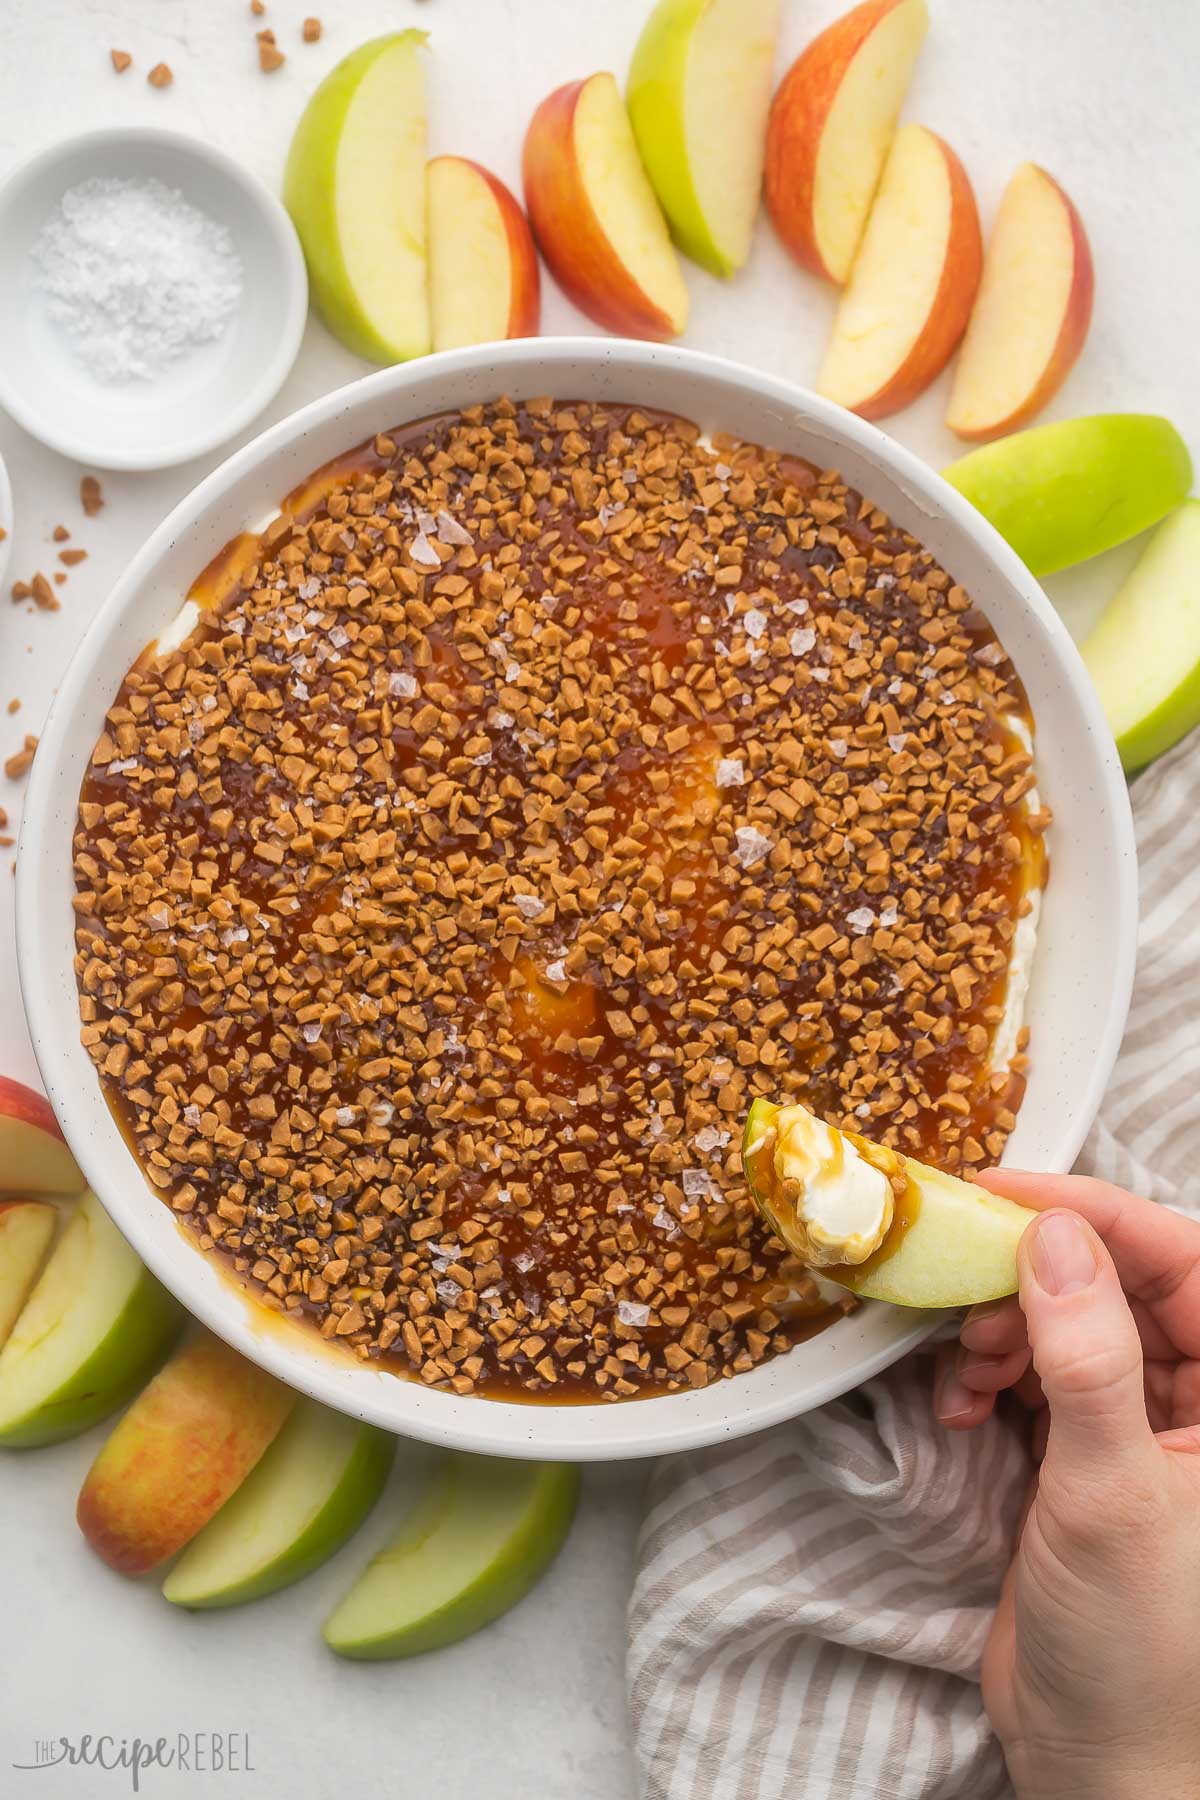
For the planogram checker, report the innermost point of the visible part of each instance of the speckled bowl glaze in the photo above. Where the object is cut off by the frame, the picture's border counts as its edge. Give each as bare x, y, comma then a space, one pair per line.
1082, 972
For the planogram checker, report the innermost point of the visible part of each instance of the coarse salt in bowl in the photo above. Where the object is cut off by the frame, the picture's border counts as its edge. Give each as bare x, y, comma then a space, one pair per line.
135, 376
1082, 969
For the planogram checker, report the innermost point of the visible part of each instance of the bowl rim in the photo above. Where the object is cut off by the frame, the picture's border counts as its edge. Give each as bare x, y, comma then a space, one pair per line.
243, 1326
281, 349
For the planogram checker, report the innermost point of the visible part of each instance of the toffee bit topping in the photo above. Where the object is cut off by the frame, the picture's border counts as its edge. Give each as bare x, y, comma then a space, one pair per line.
446, 898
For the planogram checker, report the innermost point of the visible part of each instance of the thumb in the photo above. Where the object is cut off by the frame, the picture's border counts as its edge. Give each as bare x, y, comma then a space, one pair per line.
1086, 1349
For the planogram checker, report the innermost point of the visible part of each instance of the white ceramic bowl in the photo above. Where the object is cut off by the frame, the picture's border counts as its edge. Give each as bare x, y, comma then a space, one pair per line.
208, 394
1084, 963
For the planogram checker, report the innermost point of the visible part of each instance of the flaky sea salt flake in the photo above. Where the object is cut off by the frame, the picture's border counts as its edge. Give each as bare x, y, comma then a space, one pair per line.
752, 846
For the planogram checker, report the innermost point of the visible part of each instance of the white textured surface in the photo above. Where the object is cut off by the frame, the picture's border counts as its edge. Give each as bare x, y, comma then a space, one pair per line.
1104, 98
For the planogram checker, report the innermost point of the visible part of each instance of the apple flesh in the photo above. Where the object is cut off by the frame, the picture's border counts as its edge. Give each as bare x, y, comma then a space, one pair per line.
483, 268
594, 214
26, 1230
1064, 492
34, 1158
186, 1444
1032, 314
476, 1542
95, 1326
1144, 652
913, 283
355, 187
699, 89
955, 1244
303, 1500
831, 123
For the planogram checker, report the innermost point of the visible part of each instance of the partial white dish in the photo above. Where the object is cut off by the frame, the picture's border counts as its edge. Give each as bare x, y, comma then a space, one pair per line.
210, 393
6, 522
1082, 973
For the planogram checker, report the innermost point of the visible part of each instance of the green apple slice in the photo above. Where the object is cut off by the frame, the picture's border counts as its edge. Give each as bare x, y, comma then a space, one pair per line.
27, 1229
355, 187
951, 1244
95, 1326
300, 1503
1064, 492
1144, 652
699, 93
476, 1541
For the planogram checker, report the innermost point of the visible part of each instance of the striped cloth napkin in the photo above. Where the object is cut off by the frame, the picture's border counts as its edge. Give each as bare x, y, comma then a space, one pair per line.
811, 1604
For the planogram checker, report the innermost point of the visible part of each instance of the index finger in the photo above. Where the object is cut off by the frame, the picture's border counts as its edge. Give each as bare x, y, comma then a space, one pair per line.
1156, 1251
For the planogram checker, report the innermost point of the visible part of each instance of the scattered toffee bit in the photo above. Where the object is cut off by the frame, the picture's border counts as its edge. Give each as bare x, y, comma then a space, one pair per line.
257, 8
14, 706
22, 762
60, 534
311, 30
537, 789
160, 75
270, 57
121, 60
3, 818
60, 575
38, 590
3, 533
90, 496
72, 557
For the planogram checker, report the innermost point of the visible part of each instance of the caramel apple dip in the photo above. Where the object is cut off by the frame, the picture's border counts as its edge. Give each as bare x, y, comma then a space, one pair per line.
543, 785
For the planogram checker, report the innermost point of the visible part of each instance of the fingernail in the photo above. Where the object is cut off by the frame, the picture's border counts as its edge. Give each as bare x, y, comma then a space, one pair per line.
954, 1399
979, 1315
1062, 1255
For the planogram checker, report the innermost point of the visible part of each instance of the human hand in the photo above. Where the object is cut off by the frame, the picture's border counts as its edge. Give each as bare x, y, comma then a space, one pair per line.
1090, 1673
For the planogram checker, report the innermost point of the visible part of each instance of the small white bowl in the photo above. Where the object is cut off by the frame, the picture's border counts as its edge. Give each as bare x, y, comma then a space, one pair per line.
209, 393
1082, 972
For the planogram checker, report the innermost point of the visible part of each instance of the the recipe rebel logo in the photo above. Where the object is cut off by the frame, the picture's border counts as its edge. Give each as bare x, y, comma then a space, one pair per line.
189, 1752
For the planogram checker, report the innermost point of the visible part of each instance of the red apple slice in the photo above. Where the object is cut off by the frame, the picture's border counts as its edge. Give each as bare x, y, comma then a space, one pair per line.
913, 283
594, 214
1033, 310
187, 1442
26, 1228
831, 122
34, 1158
483, 268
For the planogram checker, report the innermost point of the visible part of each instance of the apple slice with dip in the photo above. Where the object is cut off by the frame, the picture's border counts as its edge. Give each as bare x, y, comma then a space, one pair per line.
881, 1224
